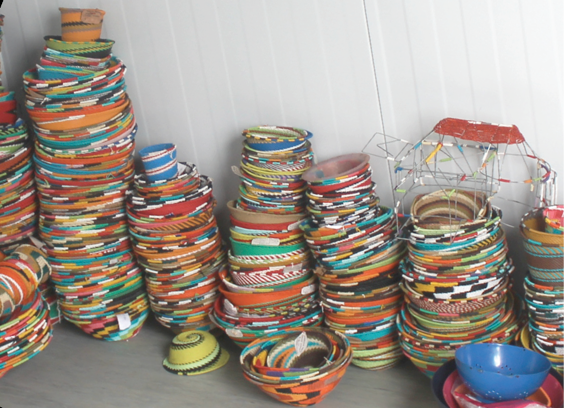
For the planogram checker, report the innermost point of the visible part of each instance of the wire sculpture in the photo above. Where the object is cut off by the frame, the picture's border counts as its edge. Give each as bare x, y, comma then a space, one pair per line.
462, 155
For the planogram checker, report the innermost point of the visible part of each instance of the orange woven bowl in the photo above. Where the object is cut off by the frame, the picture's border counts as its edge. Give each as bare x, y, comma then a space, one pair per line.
274, 297
83, 119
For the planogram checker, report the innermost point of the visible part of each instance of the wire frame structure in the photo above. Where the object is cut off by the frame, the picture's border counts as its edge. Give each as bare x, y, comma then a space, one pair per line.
462, 155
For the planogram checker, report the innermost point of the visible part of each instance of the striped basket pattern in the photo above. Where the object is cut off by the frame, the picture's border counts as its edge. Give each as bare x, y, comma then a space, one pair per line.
545, 262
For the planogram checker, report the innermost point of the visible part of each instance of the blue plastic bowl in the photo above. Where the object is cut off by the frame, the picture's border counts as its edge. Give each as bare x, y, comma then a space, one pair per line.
500, 372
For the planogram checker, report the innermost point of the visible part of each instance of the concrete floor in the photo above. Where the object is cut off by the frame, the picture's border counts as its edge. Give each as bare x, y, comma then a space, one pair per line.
76, 370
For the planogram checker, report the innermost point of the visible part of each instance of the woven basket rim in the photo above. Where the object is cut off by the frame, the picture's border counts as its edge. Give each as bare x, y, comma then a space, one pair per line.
457, 196
533, 228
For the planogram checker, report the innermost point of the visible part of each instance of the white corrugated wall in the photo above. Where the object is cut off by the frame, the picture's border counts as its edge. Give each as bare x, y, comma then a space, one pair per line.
200, 71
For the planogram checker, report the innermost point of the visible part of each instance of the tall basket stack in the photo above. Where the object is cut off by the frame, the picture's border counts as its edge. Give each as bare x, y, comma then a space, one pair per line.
455, 278
270, 285
542, 230
357, 252
176, 239
85, 129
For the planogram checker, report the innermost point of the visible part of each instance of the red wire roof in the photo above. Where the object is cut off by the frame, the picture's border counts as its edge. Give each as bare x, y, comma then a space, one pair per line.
479, 131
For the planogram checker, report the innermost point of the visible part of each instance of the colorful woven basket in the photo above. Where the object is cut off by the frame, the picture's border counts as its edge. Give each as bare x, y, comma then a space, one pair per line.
299, 366
544, 251
533, 228
81, 24
90, 49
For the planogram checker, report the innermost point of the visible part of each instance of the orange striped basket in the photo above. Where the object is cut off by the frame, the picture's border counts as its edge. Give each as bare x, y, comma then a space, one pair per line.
81, 24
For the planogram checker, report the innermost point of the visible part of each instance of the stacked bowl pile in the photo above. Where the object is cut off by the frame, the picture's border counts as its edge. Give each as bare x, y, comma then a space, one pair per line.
85, 128
18, 200
18, 197
299, 366
273, 160
271, 285
354, 241
543, 240
25, 329
455, 279
176, 240
17, 189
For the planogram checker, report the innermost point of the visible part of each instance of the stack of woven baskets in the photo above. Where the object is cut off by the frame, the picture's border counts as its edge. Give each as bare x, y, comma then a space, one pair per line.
85, 127
18, 198
176, 239
273, 160
455, 278
271, 285
354, 241
543, 239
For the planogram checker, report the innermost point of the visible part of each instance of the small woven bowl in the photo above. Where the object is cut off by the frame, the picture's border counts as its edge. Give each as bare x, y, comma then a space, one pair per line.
533, 228
81, 24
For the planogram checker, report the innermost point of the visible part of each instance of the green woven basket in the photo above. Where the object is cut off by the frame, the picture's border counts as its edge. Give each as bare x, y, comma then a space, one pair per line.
93, 49
245, 249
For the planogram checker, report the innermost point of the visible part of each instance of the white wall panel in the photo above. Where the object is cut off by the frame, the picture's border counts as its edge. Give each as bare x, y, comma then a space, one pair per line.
493, 61
200, 71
